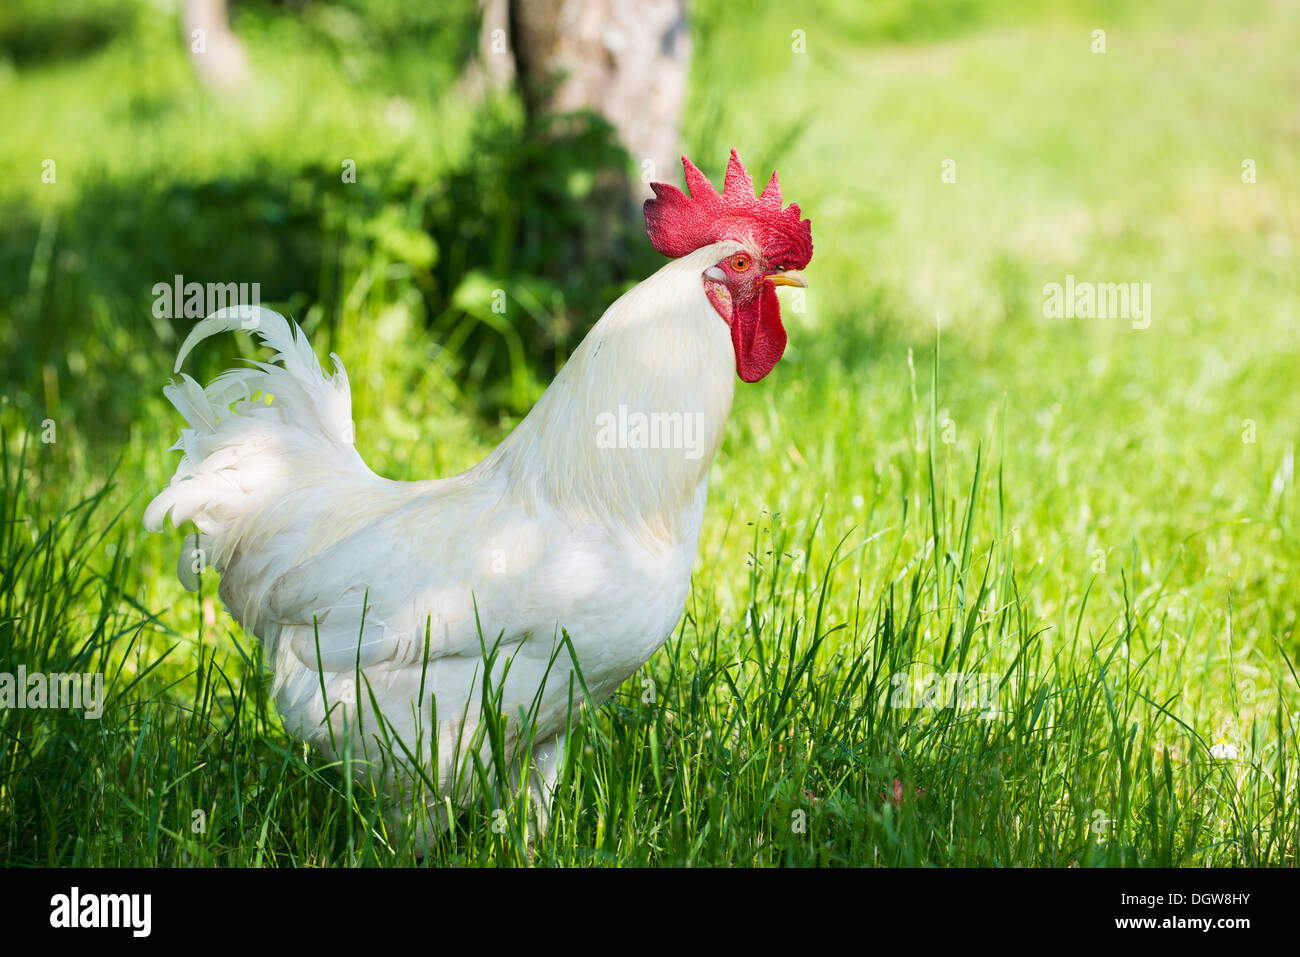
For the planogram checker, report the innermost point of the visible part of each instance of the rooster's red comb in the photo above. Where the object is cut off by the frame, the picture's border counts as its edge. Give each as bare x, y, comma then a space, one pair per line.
679, 224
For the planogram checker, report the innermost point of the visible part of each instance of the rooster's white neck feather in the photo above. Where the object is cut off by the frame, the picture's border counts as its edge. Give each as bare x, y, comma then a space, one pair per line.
660, 350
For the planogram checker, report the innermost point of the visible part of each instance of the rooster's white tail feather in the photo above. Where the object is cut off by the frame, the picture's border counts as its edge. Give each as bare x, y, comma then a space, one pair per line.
257, 441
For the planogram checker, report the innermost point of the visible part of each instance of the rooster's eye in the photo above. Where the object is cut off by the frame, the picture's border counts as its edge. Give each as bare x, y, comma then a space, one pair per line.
740, 263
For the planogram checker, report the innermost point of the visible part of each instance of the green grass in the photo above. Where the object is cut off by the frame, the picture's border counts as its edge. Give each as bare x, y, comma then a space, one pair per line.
1076, 509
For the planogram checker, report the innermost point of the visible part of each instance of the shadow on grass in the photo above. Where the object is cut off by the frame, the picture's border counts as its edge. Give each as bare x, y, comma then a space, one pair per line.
84, 326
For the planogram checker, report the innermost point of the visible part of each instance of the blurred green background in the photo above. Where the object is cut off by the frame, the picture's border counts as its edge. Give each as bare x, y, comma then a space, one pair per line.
1143, 475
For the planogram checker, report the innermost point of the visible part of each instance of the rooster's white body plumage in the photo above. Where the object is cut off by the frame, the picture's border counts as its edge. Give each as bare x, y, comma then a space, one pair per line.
360, 586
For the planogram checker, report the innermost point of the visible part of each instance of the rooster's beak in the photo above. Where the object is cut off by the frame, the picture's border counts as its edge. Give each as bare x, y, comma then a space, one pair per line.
789, 277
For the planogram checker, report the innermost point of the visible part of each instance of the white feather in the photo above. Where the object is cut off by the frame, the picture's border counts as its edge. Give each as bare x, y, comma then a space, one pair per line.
340, 570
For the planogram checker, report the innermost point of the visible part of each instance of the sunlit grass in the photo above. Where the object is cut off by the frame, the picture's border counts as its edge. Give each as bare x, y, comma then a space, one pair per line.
1098, 518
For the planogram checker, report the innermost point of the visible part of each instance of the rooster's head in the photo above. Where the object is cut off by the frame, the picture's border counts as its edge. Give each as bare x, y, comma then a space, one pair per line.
774, 243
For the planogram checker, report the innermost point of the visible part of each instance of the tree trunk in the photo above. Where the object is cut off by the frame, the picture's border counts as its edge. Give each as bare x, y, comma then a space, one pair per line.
626, 60
216, 53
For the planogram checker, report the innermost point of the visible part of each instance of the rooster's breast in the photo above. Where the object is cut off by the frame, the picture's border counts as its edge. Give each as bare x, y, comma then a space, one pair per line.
619, 595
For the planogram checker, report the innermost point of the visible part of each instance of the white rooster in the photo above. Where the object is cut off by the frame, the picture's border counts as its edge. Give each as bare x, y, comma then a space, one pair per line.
366, 591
